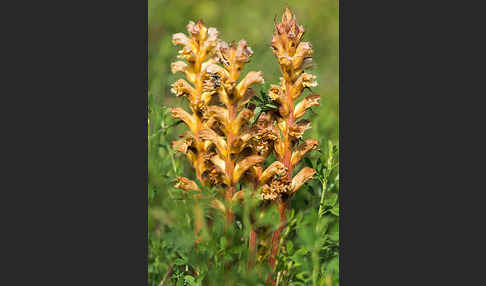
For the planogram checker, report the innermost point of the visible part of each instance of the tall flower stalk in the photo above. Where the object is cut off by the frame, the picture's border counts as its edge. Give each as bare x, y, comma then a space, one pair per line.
294, 57
227, 121
198, 53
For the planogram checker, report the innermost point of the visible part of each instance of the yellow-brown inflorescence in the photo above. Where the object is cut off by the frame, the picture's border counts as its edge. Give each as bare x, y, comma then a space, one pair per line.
198, 53
294, 57
227, 122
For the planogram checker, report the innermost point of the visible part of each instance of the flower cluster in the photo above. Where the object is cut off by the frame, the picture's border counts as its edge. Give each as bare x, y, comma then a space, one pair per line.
294, 57
221, 144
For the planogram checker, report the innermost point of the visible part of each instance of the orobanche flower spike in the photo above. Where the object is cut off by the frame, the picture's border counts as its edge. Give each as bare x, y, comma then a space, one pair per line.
228, 130
198, 53
294, 57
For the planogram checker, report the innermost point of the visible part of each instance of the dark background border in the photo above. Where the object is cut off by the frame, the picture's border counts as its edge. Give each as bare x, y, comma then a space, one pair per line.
77, 169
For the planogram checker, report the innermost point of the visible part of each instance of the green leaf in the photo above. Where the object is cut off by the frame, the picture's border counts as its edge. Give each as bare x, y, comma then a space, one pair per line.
301, 252
189, 280
180, 261
290, 247
335, 210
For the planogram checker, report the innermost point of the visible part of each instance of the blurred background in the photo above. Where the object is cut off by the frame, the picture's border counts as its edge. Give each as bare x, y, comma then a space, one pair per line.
251, 20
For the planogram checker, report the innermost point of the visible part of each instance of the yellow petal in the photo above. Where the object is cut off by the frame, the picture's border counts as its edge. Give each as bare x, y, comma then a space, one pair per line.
302, 149
243, 52
244, 164
306, 103
181, 145
219, 163
240, 142
297, 129
249, 94
186, 184
250, 79
183, 88
304, 80
275, 92
179, 113
181, 39
303, 176
279, 147
219, 113
241, 119
208, 134
211, 40
303, 51
218, 205
238, 196
276, 168
215, 70
178, 66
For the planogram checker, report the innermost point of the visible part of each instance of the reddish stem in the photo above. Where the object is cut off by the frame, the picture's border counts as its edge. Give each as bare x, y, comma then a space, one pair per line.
276, 238
252, 248
230, 165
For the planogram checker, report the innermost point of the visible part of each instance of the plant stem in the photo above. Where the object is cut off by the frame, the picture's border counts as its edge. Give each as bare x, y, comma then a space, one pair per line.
252, 248
230, 164
321, 204
282, 206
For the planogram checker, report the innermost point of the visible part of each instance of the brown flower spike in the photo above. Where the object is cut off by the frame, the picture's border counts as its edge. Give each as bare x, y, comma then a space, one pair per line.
294, 57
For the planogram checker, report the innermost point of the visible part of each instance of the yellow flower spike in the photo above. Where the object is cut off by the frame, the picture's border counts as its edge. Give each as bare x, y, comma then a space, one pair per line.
198, 52
227, 124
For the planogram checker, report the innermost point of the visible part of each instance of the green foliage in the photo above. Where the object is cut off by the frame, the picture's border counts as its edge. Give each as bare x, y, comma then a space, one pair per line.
310, 241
